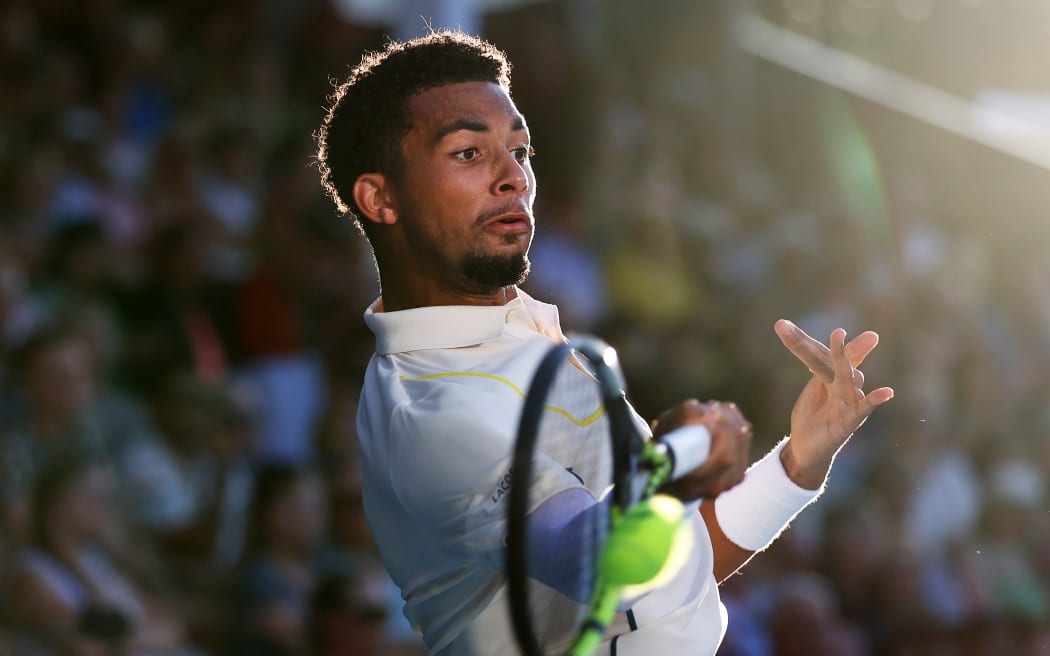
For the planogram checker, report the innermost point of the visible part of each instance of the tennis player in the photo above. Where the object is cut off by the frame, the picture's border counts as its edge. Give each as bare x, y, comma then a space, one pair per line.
424, 148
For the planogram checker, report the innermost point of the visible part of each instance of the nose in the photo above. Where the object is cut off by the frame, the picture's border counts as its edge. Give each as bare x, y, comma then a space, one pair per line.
512, 175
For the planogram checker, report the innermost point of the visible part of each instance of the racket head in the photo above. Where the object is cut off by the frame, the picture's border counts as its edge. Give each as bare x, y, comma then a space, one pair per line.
576, 431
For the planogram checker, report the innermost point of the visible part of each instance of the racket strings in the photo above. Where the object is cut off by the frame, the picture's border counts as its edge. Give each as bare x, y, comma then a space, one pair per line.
571, 451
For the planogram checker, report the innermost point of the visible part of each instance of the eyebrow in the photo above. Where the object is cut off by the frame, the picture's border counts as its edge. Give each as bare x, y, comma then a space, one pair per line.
473, 125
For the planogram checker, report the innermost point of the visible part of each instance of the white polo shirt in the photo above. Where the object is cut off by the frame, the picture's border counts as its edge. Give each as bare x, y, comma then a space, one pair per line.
437, 422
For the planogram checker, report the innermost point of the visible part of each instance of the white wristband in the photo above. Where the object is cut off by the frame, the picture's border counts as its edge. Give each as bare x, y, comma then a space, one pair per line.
754, 513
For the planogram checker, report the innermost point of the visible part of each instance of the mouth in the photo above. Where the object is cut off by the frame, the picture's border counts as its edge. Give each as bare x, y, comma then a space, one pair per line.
510, 222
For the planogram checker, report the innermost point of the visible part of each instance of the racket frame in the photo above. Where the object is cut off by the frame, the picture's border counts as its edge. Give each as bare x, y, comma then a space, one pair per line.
631, 452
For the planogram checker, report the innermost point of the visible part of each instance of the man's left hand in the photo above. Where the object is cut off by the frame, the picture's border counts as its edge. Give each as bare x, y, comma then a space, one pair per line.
832, 406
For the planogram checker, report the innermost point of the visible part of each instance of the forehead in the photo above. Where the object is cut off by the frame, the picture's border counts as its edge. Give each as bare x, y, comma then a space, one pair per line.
434, 108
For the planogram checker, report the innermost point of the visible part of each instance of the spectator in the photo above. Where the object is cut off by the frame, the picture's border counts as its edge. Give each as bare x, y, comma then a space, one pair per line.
805, 621
349, 613
210, 429
175, 319
277, 355
71, 595
269, 609
68, 406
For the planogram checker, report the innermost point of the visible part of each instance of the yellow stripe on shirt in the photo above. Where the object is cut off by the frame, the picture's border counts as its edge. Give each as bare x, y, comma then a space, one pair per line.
585, 421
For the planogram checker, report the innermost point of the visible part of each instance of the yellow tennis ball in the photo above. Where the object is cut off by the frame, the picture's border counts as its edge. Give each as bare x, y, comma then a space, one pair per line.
641, 543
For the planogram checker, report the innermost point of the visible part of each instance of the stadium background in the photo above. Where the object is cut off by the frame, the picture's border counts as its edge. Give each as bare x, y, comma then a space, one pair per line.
178, 297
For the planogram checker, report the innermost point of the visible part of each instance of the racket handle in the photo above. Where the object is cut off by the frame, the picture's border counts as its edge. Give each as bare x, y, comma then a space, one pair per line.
689, 447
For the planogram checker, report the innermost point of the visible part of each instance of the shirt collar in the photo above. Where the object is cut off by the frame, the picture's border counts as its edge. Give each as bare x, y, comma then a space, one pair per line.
457, 326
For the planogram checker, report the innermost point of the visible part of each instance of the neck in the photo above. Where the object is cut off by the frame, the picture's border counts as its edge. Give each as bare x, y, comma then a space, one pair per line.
413, 275
404, 292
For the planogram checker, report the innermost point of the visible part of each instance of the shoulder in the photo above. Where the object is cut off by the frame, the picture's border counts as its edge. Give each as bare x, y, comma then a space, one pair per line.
502, 365
452, 422
443, 408
446, 448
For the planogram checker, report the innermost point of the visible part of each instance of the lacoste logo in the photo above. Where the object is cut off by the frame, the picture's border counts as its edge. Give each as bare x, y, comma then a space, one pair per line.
501, 488
504, 485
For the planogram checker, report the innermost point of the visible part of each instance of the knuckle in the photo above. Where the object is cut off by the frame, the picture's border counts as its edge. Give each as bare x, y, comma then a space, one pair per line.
691, 409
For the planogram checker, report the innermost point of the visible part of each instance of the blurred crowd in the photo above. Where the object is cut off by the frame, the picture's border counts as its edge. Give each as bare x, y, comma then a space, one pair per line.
181, 337
728, 193
182, 344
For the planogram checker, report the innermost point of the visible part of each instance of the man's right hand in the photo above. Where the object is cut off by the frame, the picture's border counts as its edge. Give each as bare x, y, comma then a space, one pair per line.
730, 447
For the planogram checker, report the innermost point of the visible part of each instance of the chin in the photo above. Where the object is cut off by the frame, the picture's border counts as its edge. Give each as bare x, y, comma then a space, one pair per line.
493, 272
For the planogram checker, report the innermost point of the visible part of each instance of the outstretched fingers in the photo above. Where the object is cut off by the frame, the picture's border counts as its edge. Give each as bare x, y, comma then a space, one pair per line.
837, 366
865, 405
809, 351
817, 357
861, 347
857, 349
844, 383
877, 397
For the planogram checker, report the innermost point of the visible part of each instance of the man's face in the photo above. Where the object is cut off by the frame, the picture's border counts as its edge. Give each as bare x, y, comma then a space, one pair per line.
466, 189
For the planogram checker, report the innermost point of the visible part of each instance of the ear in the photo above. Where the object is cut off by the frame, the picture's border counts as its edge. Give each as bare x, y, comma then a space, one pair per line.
374, 196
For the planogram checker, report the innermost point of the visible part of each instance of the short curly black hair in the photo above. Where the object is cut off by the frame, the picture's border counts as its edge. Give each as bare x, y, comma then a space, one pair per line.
368, 115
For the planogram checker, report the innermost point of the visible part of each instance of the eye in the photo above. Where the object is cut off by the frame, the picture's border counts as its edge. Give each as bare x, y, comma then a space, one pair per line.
466, 155
523, 153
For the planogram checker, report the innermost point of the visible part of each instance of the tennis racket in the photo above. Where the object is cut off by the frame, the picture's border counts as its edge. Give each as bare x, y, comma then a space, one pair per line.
578, 432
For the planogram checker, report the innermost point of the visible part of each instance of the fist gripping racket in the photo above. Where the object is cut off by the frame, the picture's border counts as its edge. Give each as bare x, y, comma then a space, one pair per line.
584, 521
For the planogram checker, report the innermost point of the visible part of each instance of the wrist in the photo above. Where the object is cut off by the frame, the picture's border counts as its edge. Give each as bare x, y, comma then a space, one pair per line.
809, 477
753, 513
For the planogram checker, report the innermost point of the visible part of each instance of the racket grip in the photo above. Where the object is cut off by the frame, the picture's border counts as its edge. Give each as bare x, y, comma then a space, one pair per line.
689, 447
